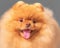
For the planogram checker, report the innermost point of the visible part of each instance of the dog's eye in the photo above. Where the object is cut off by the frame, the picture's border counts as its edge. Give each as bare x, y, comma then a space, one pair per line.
21, 20
34, 21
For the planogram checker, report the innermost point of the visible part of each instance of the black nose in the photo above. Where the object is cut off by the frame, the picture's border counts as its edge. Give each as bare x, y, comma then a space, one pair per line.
28, 25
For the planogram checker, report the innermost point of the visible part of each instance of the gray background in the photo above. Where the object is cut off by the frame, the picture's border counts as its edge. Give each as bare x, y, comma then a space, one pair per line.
52, 4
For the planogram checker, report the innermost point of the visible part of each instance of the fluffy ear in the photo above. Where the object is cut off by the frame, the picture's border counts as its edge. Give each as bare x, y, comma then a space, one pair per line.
18, 4
48, 12
38, 5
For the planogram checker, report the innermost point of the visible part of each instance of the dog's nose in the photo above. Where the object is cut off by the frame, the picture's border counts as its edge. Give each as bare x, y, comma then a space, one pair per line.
28, 25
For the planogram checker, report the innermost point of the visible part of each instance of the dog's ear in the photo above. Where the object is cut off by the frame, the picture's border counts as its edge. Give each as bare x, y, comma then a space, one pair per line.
48, 12
38, 5
18, 4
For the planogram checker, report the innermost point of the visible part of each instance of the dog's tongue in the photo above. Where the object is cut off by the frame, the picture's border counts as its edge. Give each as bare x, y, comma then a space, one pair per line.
26, 34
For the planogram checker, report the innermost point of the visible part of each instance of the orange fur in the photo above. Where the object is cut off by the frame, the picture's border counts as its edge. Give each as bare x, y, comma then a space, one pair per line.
46, 34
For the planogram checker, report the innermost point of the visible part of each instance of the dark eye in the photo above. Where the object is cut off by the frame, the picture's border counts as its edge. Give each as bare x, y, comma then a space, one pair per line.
21, 20
34, 21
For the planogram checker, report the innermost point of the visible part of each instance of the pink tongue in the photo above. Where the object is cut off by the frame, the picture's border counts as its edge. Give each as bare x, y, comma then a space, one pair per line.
26, 34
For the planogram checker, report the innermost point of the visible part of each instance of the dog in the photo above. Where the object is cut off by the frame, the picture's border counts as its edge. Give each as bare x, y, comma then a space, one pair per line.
29, 26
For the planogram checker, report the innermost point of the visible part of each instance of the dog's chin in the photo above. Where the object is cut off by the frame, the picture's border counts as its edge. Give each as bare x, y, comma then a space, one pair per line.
27, 33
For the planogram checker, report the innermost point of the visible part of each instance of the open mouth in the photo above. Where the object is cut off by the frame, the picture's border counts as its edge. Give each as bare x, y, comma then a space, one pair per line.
26, 33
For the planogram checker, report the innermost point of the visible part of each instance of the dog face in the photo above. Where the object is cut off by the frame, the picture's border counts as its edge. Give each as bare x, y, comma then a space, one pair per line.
27, 20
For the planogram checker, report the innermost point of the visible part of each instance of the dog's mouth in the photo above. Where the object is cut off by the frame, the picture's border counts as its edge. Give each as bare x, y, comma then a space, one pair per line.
26, 33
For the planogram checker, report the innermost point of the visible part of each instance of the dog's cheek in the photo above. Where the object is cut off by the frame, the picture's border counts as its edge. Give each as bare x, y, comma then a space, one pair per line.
12, 25
38, 25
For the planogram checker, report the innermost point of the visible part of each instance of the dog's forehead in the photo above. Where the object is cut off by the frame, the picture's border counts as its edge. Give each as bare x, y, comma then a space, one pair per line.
27, 11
